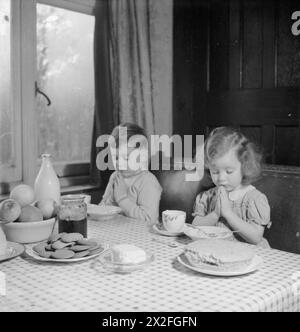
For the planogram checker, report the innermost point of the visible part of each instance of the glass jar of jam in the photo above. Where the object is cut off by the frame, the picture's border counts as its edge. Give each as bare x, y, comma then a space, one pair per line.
72, 215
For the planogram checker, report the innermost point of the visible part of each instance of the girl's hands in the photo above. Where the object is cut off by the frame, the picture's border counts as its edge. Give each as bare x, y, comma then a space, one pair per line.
217, 210
225, 204
120, 188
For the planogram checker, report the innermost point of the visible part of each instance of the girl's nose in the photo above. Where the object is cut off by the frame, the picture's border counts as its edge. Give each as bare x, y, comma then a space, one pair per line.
222, 178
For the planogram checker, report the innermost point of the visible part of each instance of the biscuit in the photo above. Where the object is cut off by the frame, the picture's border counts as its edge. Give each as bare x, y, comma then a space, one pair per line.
55, 238
41, 251
58, 245
89, 243
82, 254
63, 254
72, 237
78, 248
96, 250
49, 247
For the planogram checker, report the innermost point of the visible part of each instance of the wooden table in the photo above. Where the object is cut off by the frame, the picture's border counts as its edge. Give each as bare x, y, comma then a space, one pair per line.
164, 286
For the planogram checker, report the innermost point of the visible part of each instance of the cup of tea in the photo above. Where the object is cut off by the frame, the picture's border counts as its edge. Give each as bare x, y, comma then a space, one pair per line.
87, 198
173, 220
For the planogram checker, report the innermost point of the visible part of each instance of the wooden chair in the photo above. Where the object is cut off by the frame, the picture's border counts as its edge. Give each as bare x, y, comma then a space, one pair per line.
282, 187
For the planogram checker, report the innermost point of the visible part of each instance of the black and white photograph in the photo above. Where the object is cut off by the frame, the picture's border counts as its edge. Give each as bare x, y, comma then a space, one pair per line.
149, 159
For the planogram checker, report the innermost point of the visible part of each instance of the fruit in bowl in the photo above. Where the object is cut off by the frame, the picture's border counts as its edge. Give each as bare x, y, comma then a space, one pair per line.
30, 214
24, 220
10, 210
23, 194
48, 207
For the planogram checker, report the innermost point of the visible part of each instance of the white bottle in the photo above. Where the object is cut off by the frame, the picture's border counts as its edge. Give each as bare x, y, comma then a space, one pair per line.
47, 185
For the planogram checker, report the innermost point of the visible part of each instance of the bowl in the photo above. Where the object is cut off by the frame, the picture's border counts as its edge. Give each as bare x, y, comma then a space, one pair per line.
29, 232
124, 268
102, 212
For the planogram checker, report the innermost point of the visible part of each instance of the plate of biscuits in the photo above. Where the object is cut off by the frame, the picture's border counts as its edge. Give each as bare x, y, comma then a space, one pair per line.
66, 248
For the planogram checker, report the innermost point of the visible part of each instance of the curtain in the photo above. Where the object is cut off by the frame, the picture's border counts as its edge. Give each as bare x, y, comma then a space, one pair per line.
104, 120
141, 62
133, 67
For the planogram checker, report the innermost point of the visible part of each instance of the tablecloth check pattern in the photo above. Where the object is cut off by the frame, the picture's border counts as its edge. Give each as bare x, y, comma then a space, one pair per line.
164, 286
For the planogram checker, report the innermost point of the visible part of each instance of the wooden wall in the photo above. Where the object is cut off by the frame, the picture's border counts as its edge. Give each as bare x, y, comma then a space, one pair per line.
236, 62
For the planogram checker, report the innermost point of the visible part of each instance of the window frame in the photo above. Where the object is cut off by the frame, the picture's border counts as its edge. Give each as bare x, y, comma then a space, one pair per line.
13, 172
24, 57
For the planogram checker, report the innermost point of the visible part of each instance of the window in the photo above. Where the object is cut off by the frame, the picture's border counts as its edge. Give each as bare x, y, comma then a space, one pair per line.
10, 129
49, 45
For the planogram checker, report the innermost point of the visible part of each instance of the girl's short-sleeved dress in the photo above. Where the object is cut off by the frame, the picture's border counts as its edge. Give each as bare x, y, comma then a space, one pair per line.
248, 203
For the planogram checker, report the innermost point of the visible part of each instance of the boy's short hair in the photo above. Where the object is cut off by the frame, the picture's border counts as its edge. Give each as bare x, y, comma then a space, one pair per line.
132, 130
223, 139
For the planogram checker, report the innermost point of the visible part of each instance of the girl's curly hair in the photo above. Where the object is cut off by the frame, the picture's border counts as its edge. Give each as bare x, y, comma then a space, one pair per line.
223, 139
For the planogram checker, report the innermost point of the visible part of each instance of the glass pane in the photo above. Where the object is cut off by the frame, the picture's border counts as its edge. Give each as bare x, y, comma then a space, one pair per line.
6, 116
66, 75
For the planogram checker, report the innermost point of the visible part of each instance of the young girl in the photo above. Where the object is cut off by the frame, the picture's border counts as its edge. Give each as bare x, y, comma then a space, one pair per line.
234, 163
132, 187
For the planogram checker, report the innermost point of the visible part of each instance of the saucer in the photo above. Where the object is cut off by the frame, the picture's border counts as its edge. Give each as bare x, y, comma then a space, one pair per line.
13, 250
207, 232
159, 228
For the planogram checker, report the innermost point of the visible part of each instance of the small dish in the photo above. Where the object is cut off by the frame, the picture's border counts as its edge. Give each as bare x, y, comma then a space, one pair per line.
159, 228
255, 265
13, 250
95, 253
102, 212
107, 263
207, 232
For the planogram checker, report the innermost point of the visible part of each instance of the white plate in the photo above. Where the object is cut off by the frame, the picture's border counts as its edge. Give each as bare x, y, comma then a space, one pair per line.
107, 263
207, 232
158, 228
102, 212
255, 264
35, 256
13, 250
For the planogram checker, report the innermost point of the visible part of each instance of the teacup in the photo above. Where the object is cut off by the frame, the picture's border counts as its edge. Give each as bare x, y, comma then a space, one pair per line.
87, 198
173, 220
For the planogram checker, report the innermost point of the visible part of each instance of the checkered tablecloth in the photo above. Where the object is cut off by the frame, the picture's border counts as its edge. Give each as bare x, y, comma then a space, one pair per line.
165, 286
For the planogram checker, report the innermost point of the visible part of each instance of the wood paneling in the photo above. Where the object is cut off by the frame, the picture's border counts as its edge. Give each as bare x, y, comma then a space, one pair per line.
219, 44
253, 44
269, 44
237, 63
191, 48
253, 107
235, 46
287, 145
183, 62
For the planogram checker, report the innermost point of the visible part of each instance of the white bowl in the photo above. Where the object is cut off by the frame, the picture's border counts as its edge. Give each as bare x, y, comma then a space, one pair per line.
29, 232
102, 212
